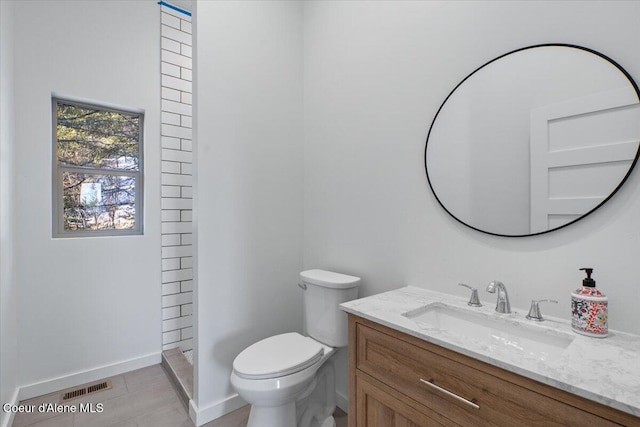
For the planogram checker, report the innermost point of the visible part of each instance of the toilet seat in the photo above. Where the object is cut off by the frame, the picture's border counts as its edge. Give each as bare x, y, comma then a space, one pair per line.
277, 356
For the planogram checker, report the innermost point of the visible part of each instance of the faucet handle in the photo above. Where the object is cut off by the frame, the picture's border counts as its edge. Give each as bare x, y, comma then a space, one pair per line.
534, 311
474, 301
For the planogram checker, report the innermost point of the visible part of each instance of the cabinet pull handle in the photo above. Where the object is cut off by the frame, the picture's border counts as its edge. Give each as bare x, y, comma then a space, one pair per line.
448, 393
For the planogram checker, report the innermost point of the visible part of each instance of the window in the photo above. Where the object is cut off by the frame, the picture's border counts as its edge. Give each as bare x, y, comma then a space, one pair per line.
97, 170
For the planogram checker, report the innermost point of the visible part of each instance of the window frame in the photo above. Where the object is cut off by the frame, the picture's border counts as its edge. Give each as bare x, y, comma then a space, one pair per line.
57, 192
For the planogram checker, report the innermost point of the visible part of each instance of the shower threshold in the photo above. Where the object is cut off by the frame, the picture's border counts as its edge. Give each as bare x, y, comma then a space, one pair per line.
180, 371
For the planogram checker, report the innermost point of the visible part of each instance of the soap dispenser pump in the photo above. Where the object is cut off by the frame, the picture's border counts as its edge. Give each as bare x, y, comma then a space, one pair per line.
589, 308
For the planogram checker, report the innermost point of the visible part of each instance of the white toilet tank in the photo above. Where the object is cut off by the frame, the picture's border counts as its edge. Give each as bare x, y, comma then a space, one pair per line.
324, 292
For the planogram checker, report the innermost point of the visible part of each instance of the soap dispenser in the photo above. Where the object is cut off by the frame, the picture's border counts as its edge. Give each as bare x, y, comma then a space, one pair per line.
589, 308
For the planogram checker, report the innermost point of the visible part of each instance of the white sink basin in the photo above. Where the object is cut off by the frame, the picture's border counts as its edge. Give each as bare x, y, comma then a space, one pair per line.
496, 332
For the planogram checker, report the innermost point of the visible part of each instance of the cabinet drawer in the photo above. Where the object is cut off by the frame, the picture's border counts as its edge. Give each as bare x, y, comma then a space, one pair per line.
380, 406
460, 391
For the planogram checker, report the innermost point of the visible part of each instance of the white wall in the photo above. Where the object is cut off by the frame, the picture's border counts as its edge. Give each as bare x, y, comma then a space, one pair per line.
248, 186
84, 303
8, 286
375, 74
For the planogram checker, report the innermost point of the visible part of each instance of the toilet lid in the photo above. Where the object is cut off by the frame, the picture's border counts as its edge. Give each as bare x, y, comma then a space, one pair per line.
277, 356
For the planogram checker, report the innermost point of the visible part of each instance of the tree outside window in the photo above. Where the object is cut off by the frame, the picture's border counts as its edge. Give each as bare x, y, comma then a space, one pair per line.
97, 169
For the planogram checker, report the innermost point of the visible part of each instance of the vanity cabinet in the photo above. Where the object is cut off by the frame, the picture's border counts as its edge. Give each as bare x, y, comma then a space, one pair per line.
396, 380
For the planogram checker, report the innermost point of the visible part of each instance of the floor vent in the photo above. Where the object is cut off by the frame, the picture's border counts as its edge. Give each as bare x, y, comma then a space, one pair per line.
84, 390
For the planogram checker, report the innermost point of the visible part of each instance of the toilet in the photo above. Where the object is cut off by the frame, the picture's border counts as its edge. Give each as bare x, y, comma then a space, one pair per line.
289, 378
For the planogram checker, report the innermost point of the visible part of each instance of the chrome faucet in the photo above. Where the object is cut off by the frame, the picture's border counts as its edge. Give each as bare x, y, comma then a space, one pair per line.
502, 304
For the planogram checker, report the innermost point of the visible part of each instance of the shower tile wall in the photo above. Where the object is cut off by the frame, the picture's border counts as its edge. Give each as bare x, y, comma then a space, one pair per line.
177, 252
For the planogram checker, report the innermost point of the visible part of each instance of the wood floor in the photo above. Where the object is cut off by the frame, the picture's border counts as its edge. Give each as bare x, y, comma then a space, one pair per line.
142, 398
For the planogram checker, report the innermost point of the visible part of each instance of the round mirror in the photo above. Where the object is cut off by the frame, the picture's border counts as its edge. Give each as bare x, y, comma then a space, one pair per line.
534, 140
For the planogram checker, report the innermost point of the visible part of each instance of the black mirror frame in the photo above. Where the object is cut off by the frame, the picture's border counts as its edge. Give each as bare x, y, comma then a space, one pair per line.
633, 164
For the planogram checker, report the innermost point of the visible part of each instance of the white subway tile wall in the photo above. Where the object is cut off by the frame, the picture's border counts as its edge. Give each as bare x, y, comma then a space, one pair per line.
177, 261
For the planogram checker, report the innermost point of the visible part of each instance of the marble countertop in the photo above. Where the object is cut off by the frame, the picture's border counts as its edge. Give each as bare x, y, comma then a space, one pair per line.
606, 370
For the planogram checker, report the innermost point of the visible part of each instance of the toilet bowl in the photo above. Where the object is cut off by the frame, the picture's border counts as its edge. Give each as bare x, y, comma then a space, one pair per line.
274, 385
289, 378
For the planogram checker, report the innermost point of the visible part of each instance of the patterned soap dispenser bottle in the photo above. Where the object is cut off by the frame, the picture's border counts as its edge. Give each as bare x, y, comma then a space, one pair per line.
589, 308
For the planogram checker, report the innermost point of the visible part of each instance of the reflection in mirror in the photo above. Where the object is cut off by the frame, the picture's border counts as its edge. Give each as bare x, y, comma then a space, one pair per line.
534, 140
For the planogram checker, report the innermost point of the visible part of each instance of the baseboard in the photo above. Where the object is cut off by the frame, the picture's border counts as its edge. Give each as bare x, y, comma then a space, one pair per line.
218, 409
341, 401
7, 417
210, 413
82, 377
